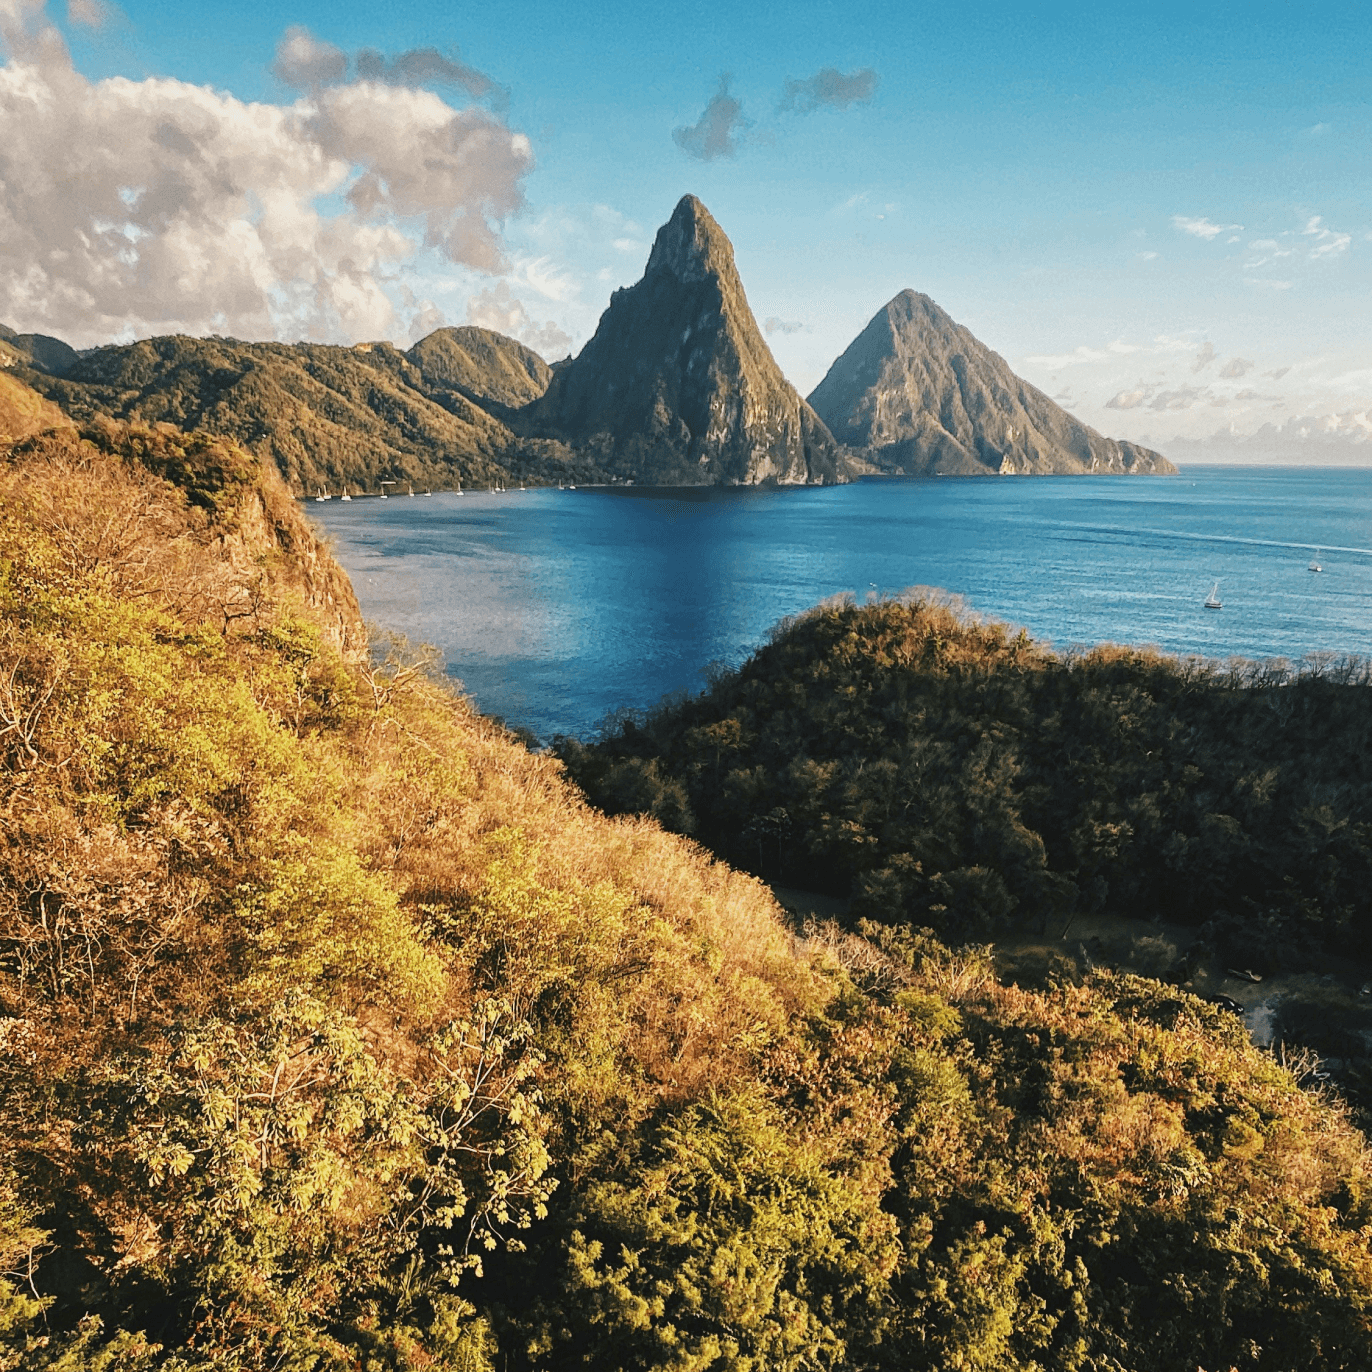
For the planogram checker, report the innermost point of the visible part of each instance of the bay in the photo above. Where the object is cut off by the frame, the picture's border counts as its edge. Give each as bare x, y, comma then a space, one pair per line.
555, 607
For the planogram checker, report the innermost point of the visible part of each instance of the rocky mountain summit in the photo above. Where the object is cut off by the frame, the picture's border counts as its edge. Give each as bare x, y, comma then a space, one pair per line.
678, 385
922, 395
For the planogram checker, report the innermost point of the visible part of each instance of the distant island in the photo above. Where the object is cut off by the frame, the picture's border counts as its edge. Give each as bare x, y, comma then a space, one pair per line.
677, 387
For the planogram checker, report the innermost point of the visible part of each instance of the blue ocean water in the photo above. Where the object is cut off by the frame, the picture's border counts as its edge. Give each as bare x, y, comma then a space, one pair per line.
554, 607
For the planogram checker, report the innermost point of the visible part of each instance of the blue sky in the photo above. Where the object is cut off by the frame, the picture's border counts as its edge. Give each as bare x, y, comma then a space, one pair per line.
1160, 216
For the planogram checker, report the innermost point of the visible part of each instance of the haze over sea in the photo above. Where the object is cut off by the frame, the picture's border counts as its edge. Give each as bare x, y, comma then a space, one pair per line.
554, 607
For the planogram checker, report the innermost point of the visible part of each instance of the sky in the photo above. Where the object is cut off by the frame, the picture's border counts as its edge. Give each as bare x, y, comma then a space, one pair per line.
1159, 214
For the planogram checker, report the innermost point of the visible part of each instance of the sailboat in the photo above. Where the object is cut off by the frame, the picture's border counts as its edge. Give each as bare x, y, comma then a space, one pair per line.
1315, 562
411, 492
345, 495
320, 496
1213, 601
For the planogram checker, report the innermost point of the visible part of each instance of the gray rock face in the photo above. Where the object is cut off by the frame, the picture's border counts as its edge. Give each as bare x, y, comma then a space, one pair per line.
918, 392
678, 386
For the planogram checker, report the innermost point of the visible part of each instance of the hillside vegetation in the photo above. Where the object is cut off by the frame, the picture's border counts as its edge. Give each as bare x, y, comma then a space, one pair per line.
340, 1033
953, 774
327, 416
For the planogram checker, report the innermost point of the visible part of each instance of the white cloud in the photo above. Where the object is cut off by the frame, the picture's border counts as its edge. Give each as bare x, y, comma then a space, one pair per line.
497, 308
1147, 256
1127, 400
1205, 355
1267, 283
1235, 368
1328, 243
774, 324
155, 206
1202, 228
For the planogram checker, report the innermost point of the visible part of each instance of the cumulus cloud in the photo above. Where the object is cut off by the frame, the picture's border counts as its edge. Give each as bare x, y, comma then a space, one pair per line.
303, 62
774, 325
829, 88
1202, 228
717, 132
1205, 355
498, 308
92, 14
153, 206
1235, 368
1278, 373
1127, 400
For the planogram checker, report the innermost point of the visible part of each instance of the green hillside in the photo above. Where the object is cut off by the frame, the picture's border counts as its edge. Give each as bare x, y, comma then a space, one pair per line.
341, 1033
329, 417
960, 776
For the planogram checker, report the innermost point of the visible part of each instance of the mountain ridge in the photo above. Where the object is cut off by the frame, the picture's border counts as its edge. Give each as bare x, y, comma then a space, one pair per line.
677, 386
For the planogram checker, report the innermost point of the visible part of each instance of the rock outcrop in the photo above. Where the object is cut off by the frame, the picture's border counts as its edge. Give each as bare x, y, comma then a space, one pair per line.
920, 394
678, 385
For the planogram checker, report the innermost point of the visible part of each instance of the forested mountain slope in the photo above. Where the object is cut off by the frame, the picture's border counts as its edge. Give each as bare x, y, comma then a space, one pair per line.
950, 773
327, 417
341, 1033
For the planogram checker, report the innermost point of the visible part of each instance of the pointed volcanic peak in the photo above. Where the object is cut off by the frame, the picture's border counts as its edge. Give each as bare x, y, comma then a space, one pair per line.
922, 395
678, 387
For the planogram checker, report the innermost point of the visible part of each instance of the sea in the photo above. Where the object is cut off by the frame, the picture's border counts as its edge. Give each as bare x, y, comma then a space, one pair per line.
555, 609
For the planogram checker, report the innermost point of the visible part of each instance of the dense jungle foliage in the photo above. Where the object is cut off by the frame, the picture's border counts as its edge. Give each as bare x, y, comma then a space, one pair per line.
950, 774
340, 1033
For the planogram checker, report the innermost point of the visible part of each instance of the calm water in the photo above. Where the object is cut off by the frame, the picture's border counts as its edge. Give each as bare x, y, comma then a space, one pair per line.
554, 607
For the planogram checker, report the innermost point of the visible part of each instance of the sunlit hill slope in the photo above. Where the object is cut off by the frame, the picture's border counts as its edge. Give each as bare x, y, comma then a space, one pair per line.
340, 1032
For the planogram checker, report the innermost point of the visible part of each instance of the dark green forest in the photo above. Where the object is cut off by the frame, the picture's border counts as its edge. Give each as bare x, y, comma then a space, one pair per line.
954, 775
341, 1034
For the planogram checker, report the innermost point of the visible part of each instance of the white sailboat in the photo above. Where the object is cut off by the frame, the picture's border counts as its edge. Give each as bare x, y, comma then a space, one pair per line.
345, 495
1213, 601
1315, 562
320, 496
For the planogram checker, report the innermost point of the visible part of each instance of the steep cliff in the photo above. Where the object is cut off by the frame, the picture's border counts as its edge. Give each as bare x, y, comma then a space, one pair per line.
678, 385
922, 395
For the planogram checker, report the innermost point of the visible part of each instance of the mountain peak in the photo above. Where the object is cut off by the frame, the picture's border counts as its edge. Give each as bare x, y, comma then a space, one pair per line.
922, 394
678, 385
691, 245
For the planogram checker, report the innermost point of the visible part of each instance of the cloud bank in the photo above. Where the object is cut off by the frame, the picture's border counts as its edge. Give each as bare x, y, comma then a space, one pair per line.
155, 206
